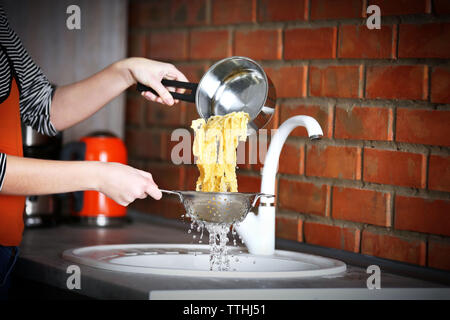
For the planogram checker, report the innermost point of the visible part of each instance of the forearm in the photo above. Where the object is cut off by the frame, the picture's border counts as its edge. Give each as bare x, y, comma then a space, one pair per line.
75, 102
27, 176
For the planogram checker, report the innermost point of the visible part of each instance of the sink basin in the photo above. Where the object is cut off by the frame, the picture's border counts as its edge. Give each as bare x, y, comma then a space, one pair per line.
193, 261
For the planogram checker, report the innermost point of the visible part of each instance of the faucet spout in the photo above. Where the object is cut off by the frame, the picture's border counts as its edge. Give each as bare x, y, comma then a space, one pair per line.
270, 168
258, 231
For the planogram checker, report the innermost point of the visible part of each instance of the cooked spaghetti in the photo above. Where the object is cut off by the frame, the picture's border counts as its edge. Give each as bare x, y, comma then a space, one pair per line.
215, 146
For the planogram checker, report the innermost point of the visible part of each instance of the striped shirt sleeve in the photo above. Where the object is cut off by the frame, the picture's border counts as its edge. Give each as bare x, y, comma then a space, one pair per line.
2, 168
35, 90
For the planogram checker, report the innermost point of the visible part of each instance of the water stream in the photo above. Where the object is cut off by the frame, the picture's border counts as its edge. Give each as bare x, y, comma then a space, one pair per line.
219, 257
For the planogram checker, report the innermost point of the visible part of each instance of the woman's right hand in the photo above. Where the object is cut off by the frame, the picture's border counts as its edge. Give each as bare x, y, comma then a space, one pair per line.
124, 184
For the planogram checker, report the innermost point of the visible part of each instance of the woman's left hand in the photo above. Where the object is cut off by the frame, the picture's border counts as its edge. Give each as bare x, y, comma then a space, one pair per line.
150, 73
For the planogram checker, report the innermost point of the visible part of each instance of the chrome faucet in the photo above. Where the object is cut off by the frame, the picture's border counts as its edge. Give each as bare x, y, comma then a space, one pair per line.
258, 230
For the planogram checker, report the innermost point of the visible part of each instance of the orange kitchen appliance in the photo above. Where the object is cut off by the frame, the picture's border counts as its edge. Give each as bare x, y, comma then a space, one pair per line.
93, 208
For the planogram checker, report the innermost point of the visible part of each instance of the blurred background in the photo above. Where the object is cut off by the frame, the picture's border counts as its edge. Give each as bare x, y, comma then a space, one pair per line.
67, 56
379, 181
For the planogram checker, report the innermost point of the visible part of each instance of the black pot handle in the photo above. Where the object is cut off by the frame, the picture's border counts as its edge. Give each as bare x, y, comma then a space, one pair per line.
189, 97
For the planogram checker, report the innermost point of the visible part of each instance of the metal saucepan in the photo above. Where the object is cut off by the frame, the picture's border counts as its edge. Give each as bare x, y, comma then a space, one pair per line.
218, 207
232, 84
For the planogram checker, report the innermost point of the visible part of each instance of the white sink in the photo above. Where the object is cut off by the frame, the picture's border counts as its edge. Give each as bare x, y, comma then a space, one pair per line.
193, 261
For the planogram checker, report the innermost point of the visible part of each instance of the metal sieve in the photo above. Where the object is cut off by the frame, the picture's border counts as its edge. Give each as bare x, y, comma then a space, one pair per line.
218, 207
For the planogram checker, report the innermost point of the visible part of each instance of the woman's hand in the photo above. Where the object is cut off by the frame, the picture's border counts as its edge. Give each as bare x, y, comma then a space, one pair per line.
125, 184
150, 73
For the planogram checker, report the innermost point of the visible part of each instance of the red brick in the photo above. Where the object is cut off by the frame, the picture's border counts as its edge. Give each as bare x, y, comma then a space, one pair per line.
439, 255
332, 236
153, 13
167, 176
394, 168
190, 114
333, 162
137, 45
191, 176
422, 215
289, 228
258, 44
282, 10
210, 44
248, 183
233, 11
362, 42
188, 12
134, 109
424, 40
397, 82
306, 43
334, 81
193, 72
440, 85
162, 115
393, 247
423, 126
336, 9
290, 82
364, 123
143, 143
168, 45
303, 197
291, 159
323, 115
441, 6
364, 206
439, 173
400, 7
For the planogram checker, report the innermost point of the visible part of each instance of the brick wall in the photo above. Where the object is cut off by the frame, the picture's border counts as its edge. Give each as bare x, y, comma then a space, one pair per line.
379, 181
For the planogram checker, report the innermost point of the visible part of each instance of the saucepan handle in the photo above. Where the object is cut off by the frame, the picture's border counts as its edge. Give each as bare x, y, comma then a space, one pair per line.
188, 97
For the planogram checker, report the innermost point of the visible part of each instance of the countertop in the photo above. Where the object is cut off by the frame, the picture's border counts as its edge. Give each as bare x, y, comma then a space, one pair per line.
41, 261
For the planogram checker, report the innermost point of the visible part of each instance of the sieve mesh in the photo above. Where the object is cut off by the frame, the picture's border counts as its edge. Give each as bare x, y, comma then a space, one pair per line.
217, 207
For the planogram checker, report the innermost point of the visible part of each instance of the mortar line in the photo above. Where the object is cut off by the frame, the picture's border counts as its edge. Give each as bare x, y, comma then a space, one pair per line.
362, 165
208, 10
383, 188
307, 11
392, 209
388, 20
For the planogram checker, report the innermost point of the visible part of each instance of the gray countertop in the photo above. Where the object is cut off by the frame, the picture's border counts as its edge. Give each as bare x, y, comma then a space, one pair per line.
40, 260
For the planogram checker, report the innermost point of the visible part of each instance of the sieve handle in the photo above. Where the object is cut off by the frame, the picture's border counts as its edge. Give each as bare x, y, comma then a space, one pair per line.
173, 192
259, 195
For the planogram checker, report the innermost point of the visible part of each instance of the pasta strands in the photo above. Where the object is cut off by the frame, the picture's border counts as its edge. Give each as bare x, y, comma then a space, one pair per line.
215, 146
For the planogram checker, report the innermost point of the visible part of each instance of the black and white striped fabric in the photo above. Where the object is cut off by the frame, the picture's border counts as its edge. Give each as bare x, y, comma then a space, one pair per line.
35, 90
